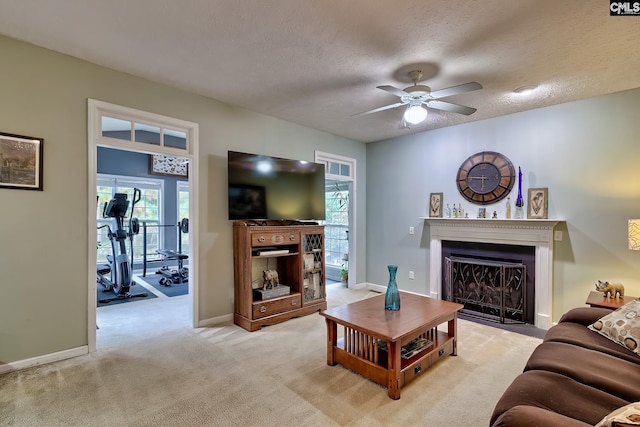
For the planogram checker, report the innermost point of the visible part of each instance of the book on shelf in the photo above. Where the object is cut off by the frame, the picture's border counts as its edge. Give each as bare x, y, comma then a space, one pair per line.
411, 349
264, 252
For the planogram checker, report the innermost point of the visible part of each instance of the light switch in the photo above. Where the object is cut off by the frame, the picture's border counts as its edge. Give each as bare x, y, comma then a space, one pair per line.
412, 230
411, 275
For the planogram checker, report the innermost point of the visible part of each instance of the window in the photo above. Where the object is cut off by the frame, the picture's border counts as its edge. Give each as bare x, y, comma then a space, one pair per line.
337, 223
183, 210
144, 133
146, 210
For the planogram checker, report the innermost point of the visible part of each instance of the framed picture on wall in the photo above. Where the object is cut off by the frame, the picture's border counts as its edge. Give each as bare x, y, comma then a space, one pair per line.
538, 203
168, 165
20, 162
435, 205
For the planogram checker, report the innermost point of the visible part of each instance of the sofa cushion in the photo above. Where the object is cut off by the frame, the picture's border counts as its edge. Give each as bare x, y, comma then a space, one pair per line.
621, 326
599, 370
559, 394
579, 335
628, 415
532, 416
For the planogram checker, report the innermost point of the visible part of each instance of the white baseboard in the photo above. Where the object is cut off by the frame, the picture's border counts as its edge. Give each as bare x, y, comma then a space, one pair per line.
205, 323
358, 286
383, 289
42, 360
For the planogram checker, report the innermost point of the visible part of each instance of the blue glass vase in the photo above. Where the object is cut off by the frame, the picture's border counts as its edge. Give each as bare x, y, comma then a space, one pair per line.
392, 297
519, 199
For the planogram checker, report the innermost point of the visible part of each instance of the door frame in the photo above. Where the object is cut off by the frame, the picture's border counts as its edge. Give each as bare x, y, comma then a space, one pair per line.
326, 159
96, 109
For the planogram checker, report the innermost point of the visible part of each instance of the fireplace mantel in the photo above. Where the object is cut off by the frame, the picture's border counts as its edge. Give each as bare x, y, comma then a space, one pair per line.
525, 232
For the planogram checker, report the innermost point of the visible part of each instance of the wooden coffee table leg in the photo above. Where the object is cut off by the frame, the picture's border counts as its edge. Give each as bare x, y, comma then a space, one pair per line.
393, 370
454, 333
332, 340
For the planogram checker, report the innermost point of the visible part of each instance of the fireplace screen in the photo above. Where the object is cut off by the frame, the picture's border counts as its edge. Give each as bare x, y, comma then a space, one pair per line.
494, 290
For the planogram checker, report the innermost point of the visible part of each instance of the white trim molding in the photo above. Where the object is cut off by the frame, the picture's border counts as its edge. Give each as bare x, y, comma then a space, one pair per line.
43, 360
95, 111
526, 232
326, 158
212, 321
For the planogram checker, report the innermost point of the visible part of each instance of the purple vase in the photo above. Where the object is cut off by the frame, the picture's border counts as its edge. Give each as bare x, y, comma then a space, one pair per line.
519, 199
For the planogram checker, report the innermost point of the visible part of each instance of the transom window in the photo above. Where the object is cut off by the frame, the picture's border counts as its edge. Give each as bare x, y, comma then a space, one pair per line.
144, 133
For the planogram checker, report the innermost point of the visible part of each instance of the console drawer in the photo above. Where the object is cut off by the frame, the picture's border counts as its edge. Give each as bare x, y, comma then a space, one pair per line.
276, 305
442, 351
274, 238
415, 369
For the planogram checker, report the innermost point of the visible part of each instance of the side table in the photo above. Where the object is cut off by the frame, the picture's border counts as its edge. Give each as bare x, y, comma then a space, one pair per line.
597, 299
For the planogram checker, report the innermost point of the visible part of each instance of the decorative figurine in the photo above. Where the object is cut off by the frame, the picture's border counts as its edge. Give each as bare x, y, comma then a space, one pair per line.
270, 279
611, 289
495, 215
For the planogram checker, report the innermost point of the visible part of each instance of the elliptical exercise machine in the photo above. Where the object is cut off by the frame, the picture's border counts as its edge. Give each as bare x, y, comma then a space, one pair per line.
120, 264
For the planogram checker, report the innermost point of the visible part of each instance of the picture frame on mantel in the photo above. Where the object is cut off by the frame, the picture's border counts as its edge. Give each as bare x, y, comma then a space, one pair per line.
538, 203
20, 162
435, 205
160, 164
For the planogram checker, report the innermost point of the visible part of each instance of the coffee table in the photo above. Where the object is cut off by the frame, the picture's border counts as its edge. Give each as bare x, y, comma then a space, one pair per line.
374, 342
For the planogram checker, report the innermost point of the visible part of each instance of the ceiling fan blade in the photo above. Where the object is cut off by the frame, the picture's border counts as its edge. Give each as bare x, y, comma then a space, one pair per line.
451, 107
386, 107
454, 90
393, 90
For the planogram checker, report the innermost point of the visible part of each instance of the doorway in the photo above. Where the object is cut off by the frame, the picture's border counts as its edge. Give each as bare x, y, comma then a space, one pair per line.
138, 133
340, 206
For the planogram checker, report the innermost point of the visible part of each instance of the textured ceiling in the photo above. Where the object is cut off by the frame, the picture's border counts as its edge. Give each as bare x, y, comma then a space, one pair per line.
316, 63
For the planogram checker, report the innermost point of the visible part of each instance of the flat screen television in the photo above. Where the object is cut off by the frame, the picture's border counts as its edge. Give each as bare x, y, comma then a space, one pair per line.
264, 187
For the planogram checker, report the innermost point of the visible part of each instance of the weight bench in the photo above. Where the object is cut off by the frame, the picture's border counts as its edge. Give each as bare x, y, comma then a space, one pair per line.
173, 276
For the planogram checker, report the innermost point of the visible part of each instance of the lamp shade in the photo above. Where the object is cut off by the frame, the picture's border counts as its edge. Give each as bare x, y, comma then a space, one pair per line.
634, 234
415, 114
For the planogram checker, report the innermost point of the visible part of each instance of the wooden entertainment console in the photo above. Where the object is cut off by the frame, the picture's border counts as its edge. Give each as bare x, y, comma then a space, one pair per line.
295, 251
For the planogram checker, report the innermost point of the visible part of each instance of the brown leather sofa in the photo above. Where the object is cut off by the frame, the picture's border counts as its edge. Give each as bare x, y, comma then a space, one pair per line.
575, 377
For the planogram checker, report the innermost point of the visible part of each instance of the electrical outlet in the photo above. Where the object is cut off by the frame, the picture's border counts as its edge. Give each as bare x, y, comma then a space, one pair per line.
411, 275
411, 230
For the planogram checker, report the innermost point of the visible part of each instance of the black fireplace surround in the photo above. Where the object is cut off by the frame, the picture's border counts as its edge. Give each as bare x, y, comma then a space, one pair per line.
490, 253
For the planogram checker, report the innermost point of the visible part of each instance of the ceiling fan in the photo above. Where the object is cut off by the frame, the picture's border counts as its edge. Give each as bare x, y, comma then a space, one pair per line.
418, 95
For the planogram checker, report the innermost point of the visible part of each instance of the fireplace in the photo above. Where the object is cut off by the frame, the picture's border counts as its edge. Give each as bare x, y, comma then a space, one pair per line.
493, 281
536, 234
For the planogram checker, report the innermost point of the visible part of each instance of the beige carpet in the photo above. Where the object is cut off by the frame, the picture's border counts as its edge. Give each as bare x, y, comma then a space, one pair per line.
225, 376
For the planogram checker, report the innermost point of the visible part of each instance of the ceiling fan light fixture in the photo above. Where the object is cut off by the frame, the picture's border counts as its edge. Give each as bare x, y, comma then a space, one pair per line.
415, 114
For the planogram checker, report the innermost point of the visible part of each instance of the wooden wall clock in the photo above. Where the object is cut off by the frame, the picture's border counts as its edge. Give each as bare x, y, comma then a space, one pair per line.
486, 177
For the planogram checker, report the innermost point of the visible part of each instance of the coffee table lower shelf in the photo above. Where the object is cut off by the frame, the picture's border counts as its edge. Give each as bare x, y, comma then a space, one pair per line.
369, 360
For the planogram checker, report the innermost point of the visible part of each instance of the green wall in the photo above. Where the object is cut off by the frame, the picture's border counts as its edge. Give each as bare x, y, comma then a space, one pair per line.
43, 235
585, 152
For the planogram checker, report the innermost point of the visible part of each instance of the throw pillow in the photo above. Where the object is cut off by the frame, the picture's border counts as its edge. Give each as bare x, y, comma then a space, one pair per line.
621, 326
628, 415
